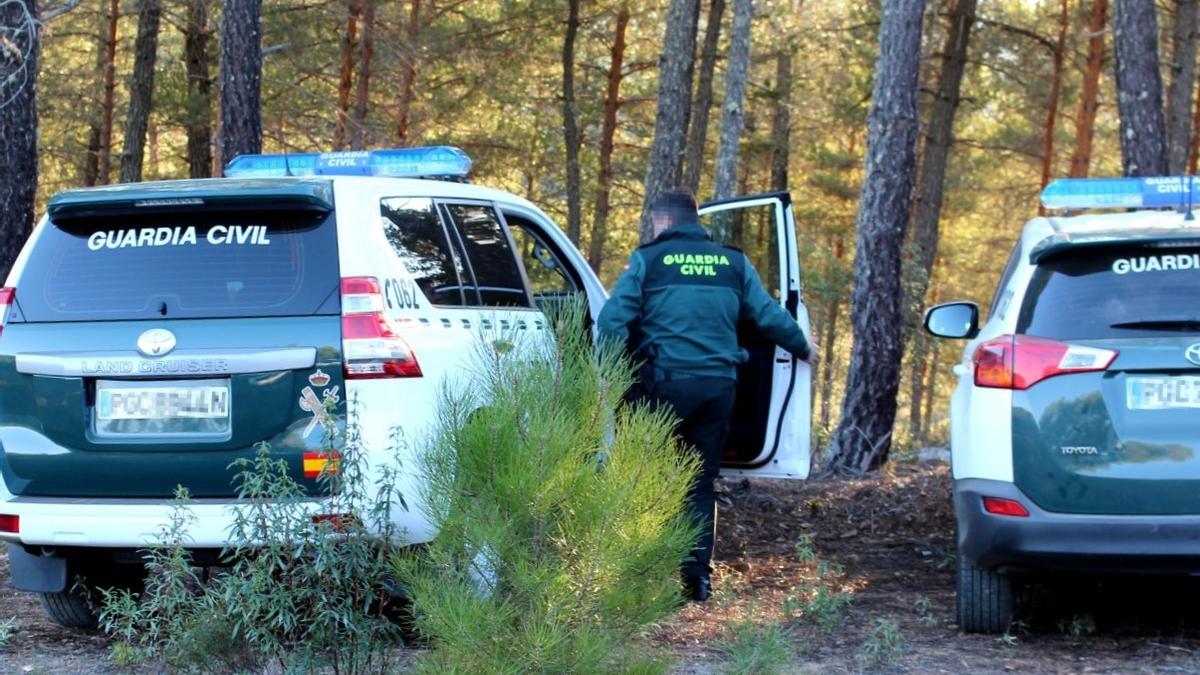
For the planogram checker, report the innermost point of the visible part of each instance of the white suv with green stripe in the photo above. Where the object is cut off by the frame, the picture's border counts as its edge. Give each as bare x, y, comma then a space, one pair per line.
152, 334
1075, 425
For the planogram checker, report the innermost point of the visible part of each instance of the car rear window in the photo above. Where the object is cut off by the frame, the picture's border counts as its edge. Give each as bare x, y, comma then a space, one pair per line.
185, 265
1112, 292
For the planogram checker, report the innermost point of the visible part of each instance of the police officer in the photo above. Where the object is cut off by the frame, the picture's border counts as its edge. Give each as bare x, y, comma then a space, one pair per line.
681, 297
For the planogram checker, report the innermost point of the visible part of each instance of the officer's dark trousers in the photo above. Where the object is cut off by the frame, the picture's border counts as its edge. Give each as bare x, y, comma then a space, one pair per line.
703, 406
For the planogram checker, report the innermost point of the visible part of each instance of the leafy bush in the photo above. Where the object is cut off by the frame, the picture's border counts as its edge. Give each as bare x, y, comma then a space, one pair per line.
757, 650
882, 647
824, 603
302, 594
7, 628
561, 515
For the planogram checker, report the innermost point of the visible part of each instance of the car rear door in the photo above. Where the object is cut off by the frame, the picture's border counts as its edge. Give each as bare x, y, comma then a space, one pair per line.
771, 427
160, 333
1107, 364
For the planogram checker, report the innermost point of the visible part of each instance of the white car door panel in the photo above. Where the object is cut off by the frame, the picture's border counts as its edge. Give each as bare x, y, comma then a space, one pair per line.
770, 433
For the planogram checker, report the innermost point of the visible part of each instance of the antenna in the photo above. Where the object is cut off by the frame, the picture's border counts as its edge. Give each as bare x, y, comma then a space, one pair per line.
287, 169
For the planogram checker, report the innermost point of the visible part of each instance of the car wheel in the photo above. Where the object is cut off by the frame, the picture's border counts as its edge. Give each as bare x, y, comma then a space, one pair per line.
986, 599
69, 608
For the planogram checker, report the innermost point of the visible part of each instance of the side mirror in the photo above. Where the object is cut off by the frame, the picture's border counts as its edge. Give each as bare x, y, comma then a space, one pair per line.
957, 320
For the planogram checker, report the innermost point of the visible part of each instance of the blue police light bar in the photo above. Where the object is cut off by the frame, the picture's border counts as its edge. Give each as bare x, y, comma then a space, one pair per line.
442, 162
1122, 193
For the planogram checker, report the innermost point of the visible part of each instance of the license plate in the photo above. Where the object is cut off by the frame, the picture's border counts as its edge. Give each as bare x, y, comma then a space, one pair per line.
197, 407
1162, 393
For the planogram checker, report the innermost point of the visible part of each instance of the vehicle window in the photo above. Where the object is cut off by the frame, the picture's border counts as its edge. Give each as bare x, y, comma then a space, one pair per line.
182, 265
417, 235
751, 229
489, 256
1114, 292
547, 273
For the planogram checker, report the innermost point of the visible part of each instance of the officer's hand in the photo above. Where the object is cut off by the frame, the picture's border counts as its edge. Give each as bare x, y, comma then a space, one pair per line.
814, 353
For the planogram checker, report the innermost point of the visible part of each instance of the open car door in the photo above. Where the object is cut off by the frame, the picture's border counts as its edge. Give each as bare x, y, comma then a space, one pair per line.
770, 433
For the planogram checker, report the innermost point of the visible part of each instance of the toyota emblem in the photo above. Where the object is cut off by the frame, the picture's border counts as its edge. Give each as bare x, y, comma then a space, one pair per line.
1193, 354
160, 342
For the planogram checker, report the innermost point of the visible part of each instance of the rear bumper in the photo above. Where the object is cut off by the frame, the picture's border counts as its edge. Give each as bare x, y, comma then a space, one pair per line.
112, 523
1167, 544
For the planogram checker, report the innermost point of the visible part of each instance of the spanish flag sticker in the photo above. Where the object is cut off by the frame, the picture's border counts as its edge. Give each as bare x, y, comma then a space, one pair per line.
315, 462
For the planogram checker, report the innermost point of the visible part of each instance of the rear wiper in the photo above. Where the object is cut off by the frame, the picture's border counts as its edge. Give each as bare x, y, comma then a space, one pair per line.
1159, 324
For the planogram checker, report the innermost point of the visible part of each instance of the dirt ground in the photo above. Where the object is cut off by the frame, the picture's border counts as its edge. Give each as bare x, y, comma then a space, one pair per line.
893, 536
886, 543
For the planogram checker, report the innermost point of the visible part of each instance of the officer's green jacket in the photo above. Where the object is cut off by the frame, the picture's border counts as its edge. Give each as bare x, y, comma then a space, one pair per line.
682, 296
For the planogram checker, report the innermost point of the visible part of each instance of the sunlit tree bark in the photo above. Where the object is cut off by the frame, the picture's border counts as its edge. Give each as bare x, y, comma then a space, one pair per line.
863, 437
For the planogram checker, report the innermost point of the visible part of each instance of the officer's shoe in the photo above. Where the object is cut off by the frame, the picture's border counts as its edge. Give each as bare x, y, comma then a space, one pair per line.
699, 588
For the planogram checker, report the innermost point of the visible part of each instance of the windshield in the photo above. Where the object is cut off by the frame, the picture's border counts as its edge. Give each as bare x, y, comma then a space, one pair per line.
1114, 292
181, 265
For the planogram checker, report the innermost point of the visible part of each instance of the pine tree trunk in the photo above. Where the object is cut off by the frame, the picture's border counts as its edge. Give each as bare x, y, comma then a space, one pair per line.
345, 76
939, 137
930, 392
608, 132
408, 77
108, 106
690, 76
674, 97
18, 126
781, 123
1139, 89
827, 362
362, 94
141, 90
698, 126
732, 109
1085, 120
1183, 81
1055, 93
241, 79
918, 361
570, 124
199, 85
91, 164
1194, 152
829, 341
863, 437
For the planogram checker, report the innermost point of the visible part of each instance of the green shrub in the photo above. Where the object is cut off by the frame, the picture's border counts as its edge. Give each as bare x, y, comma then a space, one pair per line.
560, 512
882, 647
757, 650
7, 628
304, 595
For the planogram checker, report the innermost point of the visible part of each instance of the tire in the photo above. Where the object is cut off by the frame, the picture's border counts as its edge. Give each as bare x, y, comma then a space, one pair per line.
986, 599
69, 608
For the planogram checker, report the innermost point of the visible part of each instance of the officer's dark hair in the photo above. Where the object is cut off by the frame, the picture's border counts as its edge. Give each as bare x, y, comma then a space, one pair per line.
679, 206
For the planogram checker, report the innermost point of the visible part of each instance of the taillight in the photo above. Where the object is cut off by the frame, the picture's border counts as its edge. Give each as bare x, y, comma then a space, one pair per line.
1005, 507
10, 523
1021, 361
6, 301
370, 346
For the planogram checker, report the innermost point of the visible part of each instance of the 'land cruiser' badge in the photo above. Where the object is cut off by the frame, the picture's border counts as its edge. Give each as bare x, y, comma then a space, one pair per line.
156, 342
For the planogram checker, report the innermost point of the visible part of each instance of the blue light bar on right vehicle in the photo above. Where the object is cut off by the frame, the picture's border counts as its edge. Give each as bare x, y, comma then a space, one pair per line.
440, 162
1122, 193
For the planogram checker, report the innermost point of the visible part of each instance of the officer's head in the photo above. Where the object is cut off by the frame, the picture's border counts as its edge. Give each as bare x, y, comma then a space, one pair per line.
671, 208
